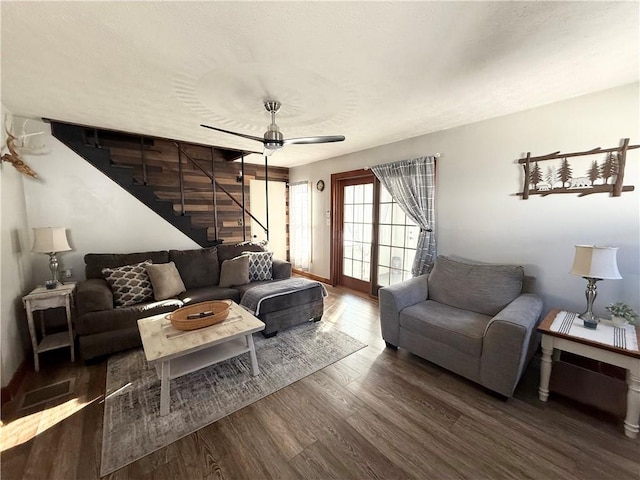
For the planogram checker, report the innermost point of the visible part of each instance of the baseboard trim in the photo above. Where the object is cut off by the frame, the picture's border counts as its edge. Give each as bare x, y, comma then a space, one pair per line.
9, 392
317, 278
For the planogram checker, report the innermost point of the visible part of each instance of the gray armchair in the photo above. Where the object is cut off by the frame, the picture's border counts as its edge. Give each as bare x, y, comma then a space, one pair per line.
471, 318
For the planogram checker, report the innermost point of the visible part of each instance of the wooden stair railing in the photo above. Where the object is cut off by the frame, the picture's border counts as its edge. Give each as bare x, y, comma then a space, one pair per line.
216, 185
200, 203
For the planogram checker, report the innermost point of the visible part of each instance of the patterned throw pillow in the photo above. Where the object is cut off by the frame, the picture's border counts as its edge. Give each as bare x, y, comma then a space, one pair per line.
260, 265
130, 284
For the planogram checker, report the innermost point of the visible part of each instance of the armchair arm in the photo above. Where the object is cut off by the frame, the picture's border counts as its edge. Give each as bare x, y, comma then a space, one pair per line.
93, 295
509, 341
280, 269
395, 298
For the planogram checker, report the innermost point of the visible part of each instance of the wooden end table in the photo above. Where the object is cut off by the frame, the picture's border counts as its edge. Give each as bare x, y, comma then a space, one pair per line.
554, 342
42, 298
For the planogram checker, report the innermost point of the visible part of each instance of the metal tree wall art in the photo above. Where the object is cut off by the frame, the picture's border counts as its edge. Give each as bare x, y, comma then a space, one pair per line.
563, 177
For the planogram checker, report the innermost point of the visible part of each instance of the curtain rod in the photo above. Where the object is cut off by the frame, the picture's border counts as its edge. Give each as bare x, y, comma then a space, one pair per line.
437, 155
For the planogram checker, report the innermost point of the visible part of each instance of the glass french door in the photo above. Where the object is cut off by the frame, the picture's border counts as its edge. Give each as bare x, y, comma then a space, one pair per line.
397, 240
353, 230
374, 242
357, 227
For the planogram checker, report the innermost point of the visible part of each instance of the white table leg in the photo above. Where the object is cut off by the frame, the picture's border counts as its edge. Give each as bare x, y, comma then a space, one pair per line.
545, 367
34, 338
164, 388
252, 354
70, 329
633, 404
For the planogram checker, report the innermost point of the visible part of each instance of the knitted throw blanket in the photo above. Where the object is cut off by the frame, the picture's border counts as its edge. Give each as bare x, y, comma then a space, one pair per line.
253, 297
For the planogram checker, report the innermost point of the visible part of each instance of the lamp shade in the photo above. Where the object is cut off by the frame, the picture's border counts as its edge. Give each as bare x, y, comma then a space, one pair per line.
596, 262
50, 239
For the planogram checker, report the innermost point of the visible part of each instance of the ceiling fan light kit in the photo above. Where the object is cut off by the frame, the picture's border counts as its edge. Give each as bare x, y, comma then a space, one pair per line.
273, 139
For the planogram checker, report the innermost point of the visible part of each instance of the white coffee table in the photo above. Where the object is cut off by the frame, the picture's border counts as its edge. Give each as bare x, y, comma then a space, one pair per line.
175, 353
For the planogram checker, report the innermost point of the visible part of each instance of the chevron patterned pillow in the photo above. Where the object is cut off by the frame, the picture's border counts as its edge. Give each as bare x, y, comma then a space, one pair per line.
260, 265
130, 284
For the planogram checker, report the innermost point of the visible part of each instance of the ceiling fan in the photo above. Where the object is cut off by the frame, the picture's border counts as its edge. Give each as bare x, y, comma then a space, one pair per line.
273, 139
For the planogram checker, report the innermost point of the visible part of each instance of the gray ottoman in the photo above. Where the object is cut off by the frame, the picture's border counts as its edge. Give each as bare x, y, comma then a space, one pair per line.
304, 301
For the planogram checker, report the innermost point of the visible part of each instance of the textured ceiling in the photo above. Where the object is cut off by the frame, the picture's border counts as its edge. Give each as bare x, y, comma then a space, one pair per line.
375, 72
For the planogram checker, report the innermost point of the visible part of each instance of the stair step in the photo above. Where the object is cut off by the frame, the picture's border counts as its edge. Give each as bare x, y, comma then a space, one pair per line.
188, 207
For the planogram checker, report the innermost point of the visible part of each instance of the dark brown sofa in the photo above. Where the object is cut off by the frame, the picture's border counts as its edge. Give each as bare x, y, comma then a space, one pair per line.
103, 329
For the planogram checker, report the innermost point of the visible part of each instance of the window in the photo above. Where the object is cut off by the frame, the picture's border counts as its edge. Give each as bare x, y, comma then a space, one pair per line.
357, 227
397, 241
300, 224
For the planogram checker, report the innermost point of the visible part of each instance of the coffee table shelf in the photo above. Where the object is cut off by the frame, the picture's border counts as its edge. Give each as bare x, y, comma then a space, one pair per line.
194, 361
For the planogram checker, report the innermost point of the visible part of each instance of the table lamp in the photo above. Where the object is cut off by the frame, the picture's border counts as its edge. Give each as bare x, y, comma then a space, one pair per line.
51, 240
593, 264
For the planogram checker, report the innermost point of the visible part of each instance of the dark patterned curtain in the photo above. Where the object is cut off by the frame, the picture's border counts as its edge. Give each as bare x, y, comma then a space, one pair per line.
411, 183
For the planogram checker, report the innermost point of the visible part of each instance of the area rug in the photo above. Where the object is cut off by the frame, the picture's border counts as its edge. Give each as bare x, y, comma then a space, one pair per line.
132, 425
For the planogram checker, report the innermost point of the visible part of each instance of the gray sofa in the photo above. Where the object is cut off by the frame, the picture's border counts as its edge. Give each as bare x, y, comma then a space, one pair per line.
474, 319
103, 329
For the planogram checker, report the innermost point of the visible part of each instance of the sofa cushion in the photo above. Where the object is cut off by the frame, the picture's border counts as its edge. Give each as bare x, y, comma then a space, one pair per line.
95, 262
260, 265
229, 251
235, 271
129, 283
205, 294
482, 288
280, 269
165, 280
460, 329
198, 267
122, 318
93, 295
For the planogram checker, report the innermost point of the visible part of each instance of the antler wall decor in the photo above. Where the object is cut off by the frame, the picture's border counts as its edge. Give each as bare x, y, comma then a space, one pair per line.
13, 156
562, 179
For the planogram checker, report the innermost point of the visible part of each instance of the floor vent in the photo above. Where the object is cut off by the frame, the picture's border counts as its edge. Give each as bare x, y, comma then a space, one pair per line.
39, 396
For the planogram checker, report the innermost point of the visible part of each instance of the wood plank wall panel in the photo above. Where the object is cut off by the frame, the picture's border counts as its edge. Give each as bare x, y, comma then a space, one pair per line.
162, 174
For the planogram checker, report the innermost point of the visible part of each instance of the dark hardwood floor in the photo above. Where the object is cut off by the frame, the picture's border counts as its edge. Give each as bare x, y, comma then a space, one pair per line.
377, 413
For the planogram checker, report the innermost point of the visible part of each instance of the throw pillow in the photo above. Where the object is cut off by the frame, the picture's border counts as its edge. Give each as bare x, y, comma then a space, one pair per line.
260, 265
130, 284
235, 271
198, 267
165, 280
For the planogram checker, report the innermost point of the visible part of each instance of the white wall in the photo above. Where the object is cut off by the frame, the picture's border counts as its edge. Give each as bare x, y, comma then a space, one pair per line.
15, 264
100, 216
478, 215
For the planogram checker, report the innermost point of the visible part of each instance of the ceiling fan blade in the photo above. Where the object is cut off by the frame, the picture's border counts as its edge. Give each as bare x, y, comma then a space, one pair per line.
250, 137
325, 139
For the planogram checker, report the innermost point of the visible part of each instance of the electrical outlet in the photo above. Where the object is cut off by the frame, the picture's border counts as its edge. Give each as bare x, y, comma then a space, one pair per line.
66, 273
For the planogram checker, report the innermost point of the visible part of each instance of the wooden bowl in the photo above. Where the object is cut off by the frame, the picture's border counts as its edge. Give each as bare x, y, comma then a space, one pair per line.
200, 315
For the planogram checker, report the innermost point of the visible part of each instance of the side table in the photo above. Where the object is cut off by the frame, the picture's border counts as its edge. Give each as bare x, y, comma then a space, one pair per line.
42, 298
554, 342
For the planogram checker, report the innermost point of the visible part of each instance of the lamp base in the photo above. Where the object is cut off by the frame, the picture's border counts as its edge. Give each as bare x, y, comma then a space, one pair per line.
589, 319
51, 284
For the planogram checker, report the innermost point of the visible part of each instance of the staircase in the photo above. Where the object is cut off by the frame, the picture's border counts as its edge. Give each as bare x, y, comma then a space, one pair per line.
198, 189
